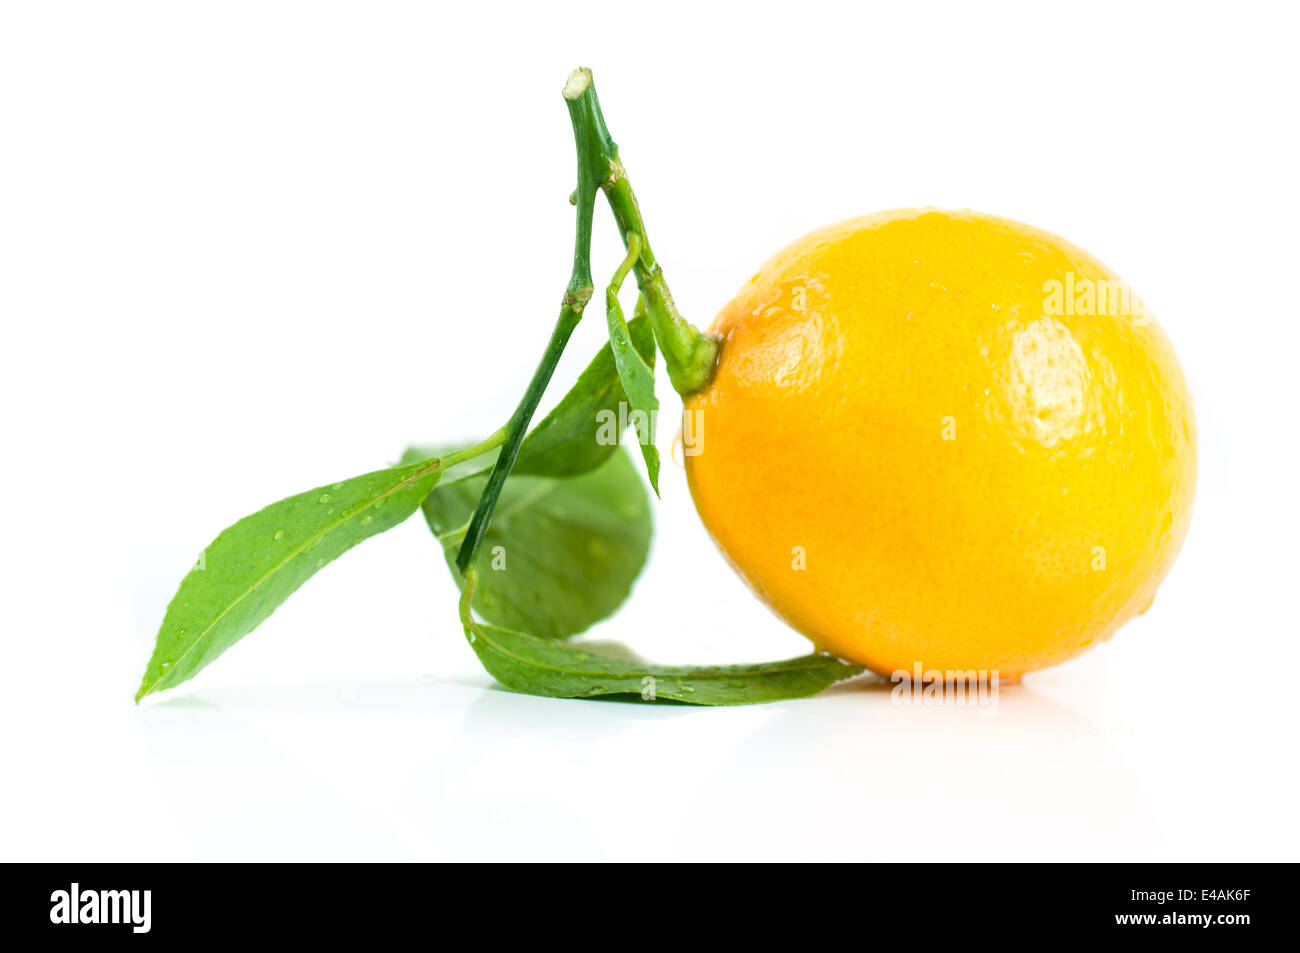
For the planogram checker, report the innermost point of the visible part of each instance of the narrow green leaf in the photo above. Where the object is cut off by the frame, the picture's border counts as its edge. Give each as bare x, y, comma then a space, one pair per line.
560, 554
257, 563
577, 435
638, 379
525, 663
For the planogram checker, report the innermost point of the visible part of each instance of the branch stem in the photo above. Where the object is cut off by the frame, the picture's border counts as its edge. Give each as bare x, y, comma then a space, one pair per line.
576, 296
689, 354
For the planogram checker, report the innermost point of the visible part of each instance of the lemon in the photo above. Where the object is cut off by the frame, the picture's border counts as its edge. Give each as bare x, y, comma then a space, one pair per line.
945, 439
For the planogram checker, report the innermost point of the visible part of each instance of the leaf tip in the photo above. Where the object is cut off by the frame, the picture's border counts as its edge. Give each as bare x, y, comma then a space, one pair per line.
146, 687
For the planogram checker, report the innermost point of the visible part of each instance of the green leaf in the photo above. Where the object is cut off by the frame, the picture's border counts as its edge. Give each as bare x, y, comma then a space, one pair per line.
254, 565
576, 437
525, 663
561, 553
638, 379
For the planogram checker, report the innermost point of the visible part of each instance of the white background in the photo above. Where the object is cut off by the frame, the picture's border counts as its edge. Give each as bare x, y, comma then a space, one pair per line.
250, 248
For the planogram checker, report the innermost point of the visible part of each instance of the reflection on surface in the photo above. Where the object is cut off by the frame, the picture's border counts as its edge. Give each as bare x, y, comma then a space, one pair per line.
436, 768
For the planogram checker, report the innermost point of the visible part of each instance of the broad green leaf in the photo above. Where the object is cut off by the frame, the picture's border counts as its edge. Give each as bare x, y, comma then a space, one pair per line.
257, 563
583, 429
561, 553
525, 663
638, 379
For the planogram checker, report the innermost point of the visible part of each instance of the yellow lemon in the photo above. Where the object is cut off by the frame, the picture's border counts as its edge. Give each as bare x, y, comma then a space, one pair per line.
946, 439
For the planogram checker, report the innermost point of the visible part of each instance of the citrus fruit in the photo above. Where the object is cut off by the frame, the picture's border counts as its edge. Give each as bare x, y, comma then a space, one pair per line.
944, 439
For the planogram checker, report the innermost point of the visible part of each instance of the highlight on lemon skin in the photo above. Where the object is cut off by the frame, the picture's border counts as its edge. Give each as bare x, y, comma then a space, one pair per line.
946, 438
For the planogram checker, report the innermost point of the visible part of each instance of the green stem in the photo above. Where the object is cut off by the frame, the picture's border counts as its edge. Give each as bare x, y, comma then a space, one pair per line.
689, 353
469, 453
580, 99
